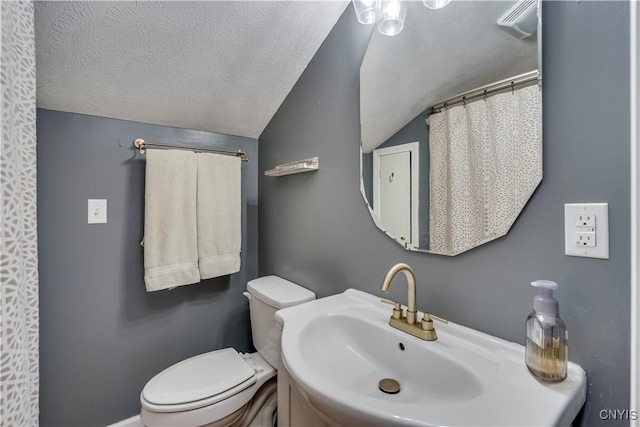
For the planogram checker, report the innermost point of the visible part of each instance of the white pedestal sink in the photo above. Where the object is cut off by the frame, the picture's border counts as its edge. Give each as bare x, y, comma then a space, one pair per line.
337, 349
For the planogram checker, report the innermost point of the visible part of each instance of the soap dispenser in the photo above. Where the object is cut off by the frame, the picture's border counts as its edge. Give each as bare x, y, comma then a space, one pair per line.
547, 344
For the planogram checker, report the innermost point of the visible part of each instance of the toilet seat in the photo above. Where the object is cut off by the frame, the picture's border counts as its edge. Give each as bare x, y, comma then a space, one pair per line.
208, 408
198, 381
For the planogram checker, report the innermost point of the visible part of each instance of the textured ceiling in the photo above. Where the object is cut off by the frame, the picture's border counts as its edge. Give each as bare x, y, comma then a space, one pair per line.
439, 54
216, 66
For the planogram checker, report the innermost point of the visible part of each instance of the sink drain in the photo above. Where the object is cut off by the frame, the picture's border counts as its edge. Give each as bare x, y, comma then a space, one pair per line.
389, 385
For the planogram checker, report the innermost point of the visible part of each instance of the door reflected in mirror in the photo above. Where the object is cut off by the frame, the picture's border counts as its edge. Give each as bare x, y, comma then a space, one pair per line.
451, 127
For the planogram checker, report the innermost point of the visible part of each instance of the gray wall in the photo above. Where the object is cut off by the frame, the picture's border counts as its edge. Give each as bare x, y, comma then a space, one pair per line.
315, 228
102, 336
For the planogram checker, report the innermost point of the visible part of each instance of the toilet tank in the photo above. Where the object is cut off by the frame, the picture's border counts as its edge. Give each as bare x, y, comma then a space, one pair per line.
267, 295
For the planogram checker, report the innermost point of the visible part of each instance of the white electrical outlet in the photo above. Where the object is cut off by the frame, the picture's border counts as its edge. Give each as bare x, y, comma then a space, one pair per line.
586, 230
96, 211
587, 239
586, 220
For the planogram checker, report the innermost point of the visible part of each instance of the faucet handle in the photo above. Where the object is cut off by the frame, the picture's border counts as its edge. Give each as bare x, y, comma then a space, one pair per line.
434, 317
397, 308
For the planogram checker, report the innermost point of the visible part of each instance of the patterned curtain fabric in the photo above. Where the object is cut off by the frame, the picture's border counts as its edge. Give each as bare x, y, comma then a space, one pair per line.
486, 161
19, 376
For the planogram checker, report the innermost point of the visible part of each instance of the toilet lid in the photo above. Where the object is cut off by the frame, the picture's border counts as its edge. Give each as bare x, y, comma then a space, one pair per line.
197, 378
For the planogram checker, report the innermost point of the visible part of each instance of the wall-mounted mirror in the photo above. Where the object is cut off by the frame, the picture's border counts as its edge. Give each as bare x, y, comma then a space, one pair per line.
451, 124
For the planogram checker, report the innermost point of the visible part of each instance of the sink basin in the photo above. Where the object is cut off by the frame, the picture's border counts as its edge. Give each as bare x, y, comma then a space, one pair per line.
337, 349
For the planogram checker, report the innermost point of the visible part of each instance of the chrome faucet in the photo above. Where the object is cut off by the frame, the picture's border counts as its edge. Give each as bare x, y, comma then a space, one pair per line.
424, 329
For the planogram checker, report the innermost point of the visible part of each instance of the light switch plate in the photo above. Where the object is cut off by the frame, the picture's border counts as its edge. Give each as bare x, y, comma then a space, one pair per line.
585, 223
96, 211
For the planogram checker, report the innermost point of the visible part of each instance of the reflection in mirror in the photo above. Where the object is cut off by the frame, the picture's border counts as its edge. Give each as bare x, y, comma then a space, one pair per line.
451, 126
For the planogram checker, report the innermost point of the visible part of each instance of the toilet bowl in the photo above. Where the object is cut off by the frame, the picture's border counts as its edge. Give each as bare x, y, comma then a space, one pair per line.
223, 387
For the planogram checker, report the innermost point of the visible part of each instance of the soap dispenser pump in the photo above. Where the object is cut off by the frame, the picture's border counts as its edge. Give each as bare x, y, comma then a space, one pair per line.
547, 344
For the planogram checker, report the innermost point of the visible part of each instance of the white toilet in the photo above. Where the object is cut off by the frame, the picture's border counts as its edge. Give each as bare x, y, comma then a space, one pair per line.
224, 387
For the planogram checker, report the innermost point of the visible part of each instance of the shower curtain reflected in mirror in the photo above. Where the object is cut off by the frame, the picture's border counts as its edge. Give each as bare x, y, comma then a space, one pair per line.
486, 160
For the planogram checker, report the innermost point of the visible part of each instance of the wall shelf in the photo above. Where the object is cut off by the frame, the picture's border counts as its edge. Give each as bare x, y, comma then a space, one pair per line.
306, 165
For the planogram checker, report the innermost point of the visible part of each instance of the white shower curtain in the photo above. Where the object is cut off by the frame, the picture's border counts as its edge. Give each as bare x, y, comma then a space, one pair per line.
19, 374
485, 162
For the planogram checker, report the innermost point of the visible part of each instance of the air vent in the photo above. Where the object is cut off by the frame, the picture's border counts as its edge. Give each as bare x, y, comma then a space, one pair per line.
521, 20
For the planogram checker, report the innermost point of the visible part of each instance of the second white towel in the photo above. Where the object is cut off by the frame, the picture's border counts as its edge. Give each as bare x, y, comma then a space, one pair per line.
218, 214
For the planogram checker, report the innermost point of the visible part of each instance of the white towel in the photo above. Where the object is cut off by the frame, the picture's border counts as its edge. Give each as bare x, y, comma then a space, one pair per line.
170, 233
219, 214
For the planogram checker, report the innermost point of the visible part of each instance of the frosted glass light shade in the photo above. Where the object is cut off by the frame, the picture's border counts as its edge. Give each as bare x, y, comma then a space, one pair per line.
367, 11
392, 18
435, 4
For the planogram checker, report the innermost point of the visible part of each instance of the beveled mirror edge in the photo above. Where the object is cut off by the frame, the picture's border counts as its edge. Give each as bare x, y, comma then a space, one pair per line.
428, 251
373, 215
539, 36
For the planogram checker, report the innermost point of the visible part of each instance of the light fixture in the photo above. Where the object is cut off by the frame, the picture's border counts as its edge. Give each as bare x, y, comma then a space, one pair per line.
367, 11
389, 14
435, 4
392, 17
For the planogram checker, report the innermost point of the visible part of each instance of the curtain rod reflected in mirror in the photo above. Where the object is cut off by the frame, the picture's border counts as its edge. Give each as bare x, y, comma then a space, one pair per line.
511, 84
